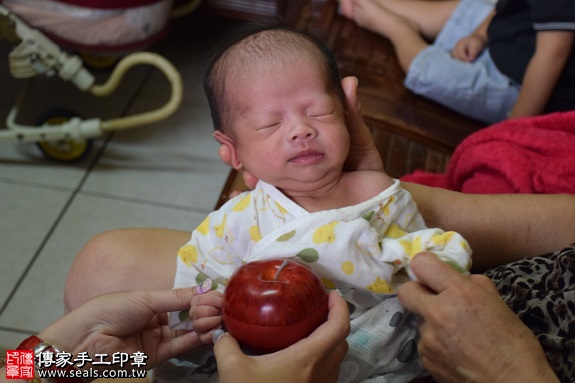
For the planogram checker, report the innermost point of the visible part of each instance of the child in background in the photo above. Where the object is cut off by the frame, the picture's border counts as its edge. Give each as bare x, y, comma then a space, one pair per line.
516, 60
278, 104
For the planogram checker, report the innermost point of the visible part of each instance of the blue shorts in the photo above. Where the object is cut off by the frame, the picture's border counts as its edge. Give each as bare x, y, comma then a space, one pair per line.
476, 89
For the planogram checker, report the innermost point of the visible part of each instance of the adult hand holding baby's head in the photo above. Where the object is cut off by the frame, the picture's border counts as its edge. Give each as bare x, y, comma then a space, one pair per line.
363, 154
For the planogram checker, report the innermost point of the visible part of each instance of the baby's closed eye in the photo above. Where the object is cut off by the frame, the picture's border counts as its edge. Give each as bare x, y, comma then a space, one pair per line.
319, 114
267, 126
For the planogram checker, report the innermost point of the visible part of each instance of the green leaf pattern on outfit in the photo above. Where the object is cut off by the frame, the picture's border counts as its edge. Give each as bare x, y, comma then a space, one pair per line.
286, 237
367, 216
308, 255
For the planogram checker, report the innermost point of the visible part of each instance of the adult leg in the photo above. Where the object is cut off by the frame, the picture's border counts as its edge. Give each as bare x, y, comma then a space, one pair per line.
124, 259
541, 291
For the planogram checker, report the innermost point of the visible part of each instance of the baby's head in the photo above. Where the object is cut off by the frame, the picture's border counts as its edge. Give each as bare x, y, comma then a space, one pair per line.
259, 46
277, 103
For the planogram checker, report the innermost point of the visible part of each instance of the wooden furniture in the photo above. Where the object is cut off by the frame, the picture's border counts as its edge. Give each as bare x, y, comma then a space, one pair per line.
411, 132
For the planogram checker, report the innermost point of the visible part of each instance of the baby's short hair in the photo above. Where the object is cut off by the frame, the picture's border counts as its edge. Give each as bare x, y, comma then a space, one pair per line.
269, 39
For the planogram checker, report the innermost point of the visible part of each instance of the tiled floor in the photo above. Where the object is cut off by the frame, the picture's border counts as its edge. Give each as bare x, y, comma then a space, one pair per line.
164, 175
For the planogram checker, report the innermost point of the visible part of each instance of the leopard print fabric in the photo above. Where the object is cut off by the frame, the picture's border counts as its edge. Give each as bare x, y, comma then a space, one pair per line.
541, 291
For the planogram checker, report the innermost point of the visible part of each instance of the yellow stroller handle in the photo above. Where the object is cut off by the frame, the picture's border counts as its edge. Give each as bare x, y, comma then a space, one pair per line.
149, 117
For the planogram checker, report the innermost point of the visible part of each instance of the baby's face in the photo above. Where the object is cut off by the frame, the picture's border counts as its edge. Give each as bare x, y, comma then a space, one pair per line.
289, 128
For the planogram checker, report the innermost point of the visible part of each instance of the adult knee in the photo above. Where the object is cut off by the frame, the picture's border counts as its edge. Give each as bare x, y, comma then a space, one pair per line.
123, 259
92, 272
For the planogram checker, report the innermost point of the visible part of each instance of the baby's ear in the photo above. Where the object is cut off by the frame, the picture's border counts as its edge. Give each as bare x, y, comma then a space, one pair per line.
227, 152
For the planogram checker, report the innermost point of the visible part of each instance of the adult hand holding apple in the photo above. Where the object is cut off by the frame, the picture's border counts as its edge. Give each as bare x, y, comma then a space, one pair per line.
271, 304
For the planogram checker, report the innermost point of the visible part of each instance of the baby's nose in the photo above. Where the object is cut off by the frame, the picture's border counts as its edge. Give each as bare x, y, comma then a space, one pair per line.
302, 131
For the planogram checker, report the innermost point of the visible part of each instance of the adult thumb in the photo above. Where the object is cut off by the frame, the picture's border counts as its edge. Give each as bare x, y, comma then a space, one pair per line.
226, 346
349, 85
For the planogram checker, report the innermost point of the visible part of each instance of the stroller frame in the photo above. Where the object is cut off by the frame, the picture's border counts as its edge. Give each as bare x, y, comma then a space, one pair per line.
66, 140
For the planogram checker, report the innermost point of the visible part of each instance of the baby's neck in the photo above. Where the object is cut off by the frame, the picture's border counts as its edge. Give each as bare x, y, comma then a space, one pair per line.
347, 190
330, 199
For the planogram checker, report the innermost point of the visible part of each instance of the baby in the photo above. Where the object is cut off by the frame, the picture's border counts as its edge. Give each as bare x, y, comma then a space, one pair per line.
278, 105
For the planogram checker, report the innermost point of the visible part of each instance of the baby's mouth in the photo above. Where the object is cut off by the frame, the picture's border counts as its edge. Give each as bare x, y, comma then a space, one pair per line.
307, 157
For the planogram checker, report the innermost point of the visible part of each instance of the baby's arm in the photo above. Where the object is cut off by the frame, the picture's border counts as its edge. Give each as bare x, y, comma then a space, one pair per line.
213, 253
552, 51
206, 314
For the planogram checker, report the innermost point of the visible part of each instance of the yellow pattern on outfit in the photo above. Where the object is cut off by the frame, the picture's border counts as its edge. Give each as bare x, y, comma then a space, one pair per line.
325, 233
380, 286
395, 231
255, 233
442, 239
412, 246
189, 255
242, 204
348, 267
219, 229
204, 226
281, 209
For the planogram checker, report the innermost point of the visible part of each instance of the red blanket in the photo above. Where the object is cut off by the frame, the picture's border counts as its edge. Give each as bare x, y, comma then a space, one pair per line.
526, 155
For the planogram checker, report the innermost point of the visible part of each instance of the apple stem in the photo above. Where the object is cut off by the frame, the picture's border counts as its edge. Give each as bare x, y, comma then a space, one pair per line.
285, 262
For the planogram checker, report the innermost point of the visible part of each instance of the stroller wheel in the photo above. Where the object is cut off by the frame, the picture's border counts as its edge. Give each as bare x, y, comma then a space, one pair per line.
68, 150
98, 62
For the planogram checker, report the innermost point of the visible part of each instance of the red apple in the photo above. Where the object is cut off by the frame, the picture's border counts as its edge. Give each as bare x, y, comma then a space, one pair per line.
269, 305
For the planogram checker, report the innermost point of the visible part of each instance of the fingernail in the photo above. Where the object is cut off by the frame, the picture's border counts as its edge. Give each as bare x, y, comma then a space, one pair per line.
204, 287
217, 335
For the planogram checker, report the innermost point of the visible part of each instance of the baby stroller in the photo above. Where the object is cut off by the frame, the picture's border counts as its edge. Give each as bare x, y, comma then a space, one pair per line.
38, 30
